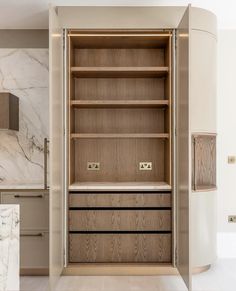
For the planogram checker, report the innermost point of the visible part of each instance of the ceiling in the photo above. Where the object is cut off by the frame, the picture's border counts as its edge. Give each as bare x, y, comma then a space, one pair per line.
33, 14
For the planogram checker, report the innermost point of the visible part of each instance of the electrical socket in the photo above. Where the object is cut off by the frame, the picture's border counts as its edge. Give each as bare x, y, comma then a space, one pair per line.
93, 166
145, 166
232, 218
231, 159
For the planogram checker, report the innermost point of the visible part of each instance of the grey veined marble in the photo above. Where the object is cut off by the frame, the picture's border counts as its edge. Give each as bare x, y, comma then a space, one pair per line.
24, 73
9, 247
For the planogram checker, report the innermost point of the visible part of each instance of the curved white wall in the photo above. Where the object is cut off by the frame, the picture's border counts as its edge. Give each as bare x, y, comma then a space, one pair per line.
203, 120
204, 216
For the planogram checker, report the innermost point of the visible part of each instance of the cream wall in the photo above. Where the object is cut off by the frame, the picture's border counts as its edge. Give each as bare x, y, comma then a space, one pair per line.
226, 118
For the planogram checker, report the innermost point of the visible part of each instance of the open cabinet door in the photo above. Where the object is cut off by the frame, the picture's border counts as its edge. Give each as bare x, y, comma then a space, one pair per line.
56, 147
183, 149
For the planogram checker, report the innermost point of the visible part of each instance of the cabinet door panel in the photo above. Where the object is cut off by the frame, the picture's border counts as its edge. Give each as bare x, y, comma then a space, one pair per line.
34, 251
33, 208
183, 149
56, 146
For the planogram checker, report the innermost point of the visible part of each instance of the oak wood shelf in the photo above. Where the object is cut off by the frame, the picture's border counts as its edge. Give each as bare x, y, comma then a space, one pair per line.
112, 72
119, 103
120, 135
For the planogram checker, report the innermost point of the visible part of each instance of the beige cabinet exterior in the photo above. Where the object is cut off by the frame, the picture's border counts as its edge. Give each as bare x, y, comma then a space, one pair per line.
193, 85
34, 229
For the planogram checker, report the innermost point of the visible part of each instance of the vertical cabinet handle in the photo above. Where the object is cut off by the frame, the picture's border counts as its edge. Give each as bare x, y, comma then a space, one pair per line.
46, 141
194, 165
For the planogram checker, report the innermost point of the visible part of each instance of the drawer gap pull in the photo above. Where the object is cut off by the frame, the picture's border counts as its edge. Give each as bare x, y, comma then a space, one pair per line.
40, 234
28, 196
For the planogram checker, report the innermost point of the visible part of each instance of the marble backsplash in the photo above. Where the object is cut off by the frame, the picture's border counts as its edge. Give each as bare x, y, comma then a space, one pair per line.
24, 73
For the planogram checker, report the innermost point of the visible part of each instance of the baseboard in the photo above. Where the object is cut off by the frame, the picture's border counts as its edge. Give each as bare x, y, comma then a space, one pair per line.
119, 270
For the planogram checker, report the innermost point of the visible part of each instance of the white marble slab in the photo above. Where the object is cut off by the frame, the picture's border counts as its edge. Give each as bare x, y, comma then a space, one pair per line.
24, 73
9, 247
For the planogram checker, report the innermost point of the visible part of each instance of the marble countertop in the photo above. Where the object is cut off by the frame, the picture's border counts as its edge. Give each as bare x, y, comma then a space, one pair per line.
9, 246
23, 186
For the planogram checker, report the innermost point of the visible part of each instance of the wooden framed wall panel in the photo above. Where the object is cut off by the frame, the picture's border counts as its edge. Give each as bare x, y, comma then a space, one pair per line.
119, 160
120, 89
114, 57
120, 120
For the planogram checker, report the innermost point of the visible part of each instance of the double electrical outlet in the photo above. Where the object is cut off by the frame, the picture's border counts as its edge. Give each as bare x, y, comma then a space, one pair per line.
232, 218
95, 166
145, 166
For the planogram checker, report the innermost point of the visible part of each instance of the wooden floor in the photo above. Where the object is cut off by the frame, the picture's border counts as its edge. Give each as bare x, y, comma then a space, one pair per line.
221, 277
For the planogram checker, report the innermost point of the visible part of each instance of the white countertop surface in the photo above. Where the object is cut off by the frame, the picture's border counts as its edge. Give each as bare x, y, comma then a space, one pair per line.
134, 186
23, 186
9, 246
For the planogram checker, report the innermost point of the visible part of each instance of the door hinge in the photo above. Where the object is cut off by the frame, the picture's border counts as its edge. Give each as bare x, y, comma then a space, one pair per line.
64, 256
175, 39
176, 256
175, 132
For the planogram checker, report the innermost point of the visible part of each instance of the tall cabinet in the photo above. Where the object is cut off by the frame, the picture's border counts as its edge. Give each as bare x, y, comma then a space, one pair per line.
130, 154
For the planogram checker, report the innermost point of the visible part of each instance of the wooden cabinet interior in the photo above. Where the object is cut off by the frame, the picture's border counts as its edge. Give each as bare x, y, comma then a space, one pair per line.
120, 106
204, 162
119, 120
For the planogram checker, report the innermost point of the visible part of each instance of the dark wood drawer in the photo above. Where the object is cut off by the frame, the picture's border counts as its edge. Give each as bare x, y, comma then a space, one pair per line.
120, 200
119, 220
114, 248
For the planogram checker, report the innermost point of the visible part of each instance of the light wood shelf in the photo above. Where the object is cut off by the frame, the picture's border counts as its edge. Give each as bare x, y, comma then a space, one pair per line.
120, 186
112, 72
119, 103
120, 135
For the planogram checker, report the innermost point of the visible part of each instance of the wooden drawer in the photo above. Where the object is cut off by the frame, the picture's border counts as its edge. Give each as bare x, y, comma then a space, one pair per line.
115, 248
119, 220
120, 200
34, 250
34, 208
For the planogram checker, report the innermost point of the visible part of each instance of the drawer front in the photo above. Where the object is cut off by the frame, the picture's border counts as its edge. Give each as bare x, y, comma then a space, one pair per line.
34, 249
120, 200
119, 220
34, 208
115, 248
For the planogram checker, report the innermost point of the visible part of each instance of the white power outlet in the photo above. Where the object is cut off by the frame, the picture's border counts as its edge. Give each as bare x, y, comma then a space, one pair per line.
145, 166
93, 166
232, 218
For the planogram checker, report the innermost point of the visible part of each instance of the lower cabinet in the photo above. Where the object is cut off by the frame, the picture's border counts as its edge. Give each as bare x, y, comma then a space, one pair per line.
125, 227
34, 229
34, 252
